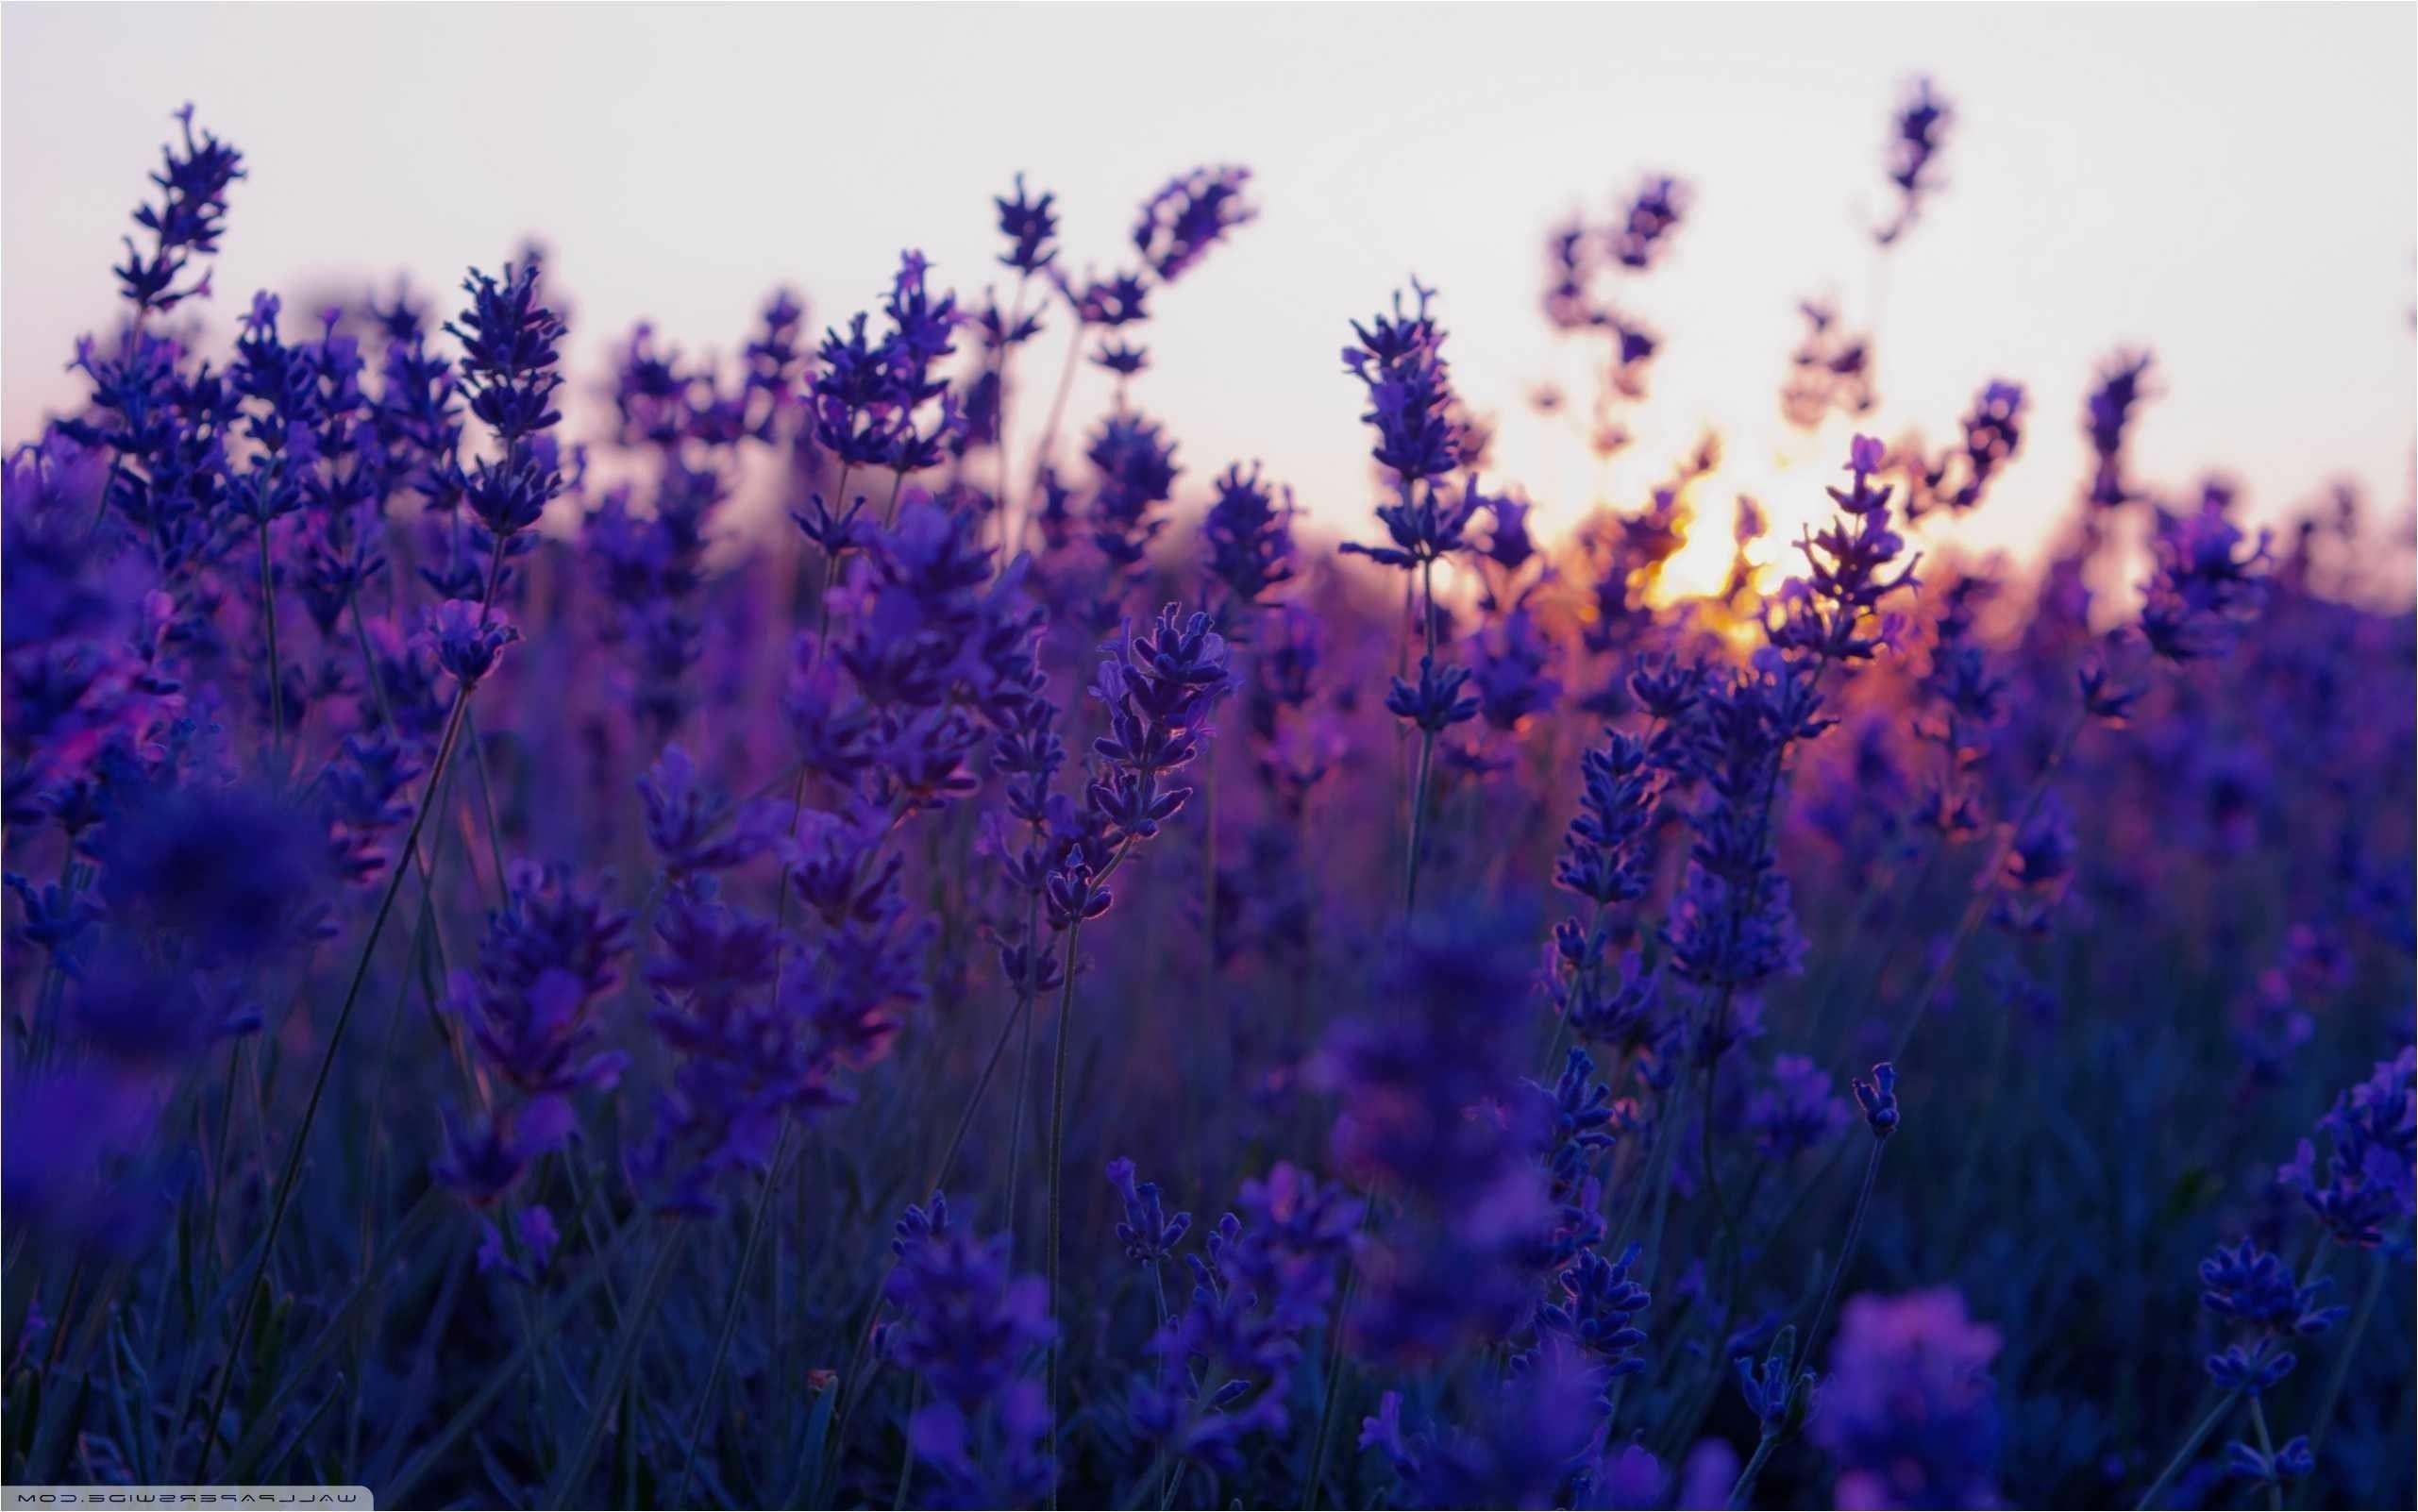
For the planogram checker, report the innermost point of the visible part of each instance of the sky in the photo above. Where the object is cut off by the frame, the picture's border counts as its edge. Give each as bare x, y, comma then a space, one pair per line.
2235, 188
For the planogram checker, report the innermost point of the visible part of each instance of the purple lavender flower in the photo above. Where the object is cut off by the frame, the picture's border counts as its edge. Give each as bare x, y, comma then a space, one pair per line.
1258, 1292
1425, 527
1510, 673
1400, 361
550, 956
1920, 123
1250, 539
966, 1323
1530, 1436
1878, 1098
2295, 1461
2266, 1305
1435, 703
192, 213
1604, 856
1031, 226
1909, 1412
466, 641
2204, 585
1148, 1234
1137, 471
2366, 1184
231, 873
1653, 213
1593, 1320
1428, 1113
1193, 213
2108, 415
1160, 688
695, 828
1796, 1111
870, 398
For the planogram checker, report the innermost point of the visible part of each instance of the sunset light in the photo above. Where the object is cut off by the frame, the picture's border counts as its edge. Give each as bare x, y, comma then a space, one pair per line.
1233, 757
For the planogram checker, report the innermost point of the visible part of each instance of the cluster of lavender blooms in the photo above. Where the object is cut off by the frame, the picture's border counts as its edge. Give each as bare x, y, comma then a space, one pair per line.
521, 979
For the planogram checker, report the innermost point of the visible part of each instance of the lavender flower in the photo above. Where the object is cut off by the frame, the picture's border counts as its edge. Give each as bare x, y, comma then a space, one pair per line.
1879, 1099
1449, 1268
1160, 688
967, 1323
1796, 1110
1250, 539
2366, 1184
1908, 1411
1653, 213
1400, 361
509, 368
1193, 213
466, 641
1920, 123
2265, 1303
2108, 415
2295, 1461
1148, 1234
194, 179
1031, 226
2204, 585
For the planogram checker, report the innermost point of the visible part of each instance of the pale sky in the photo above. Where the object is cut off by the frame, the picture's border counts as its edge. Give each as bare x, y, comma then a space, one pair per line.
2234, 187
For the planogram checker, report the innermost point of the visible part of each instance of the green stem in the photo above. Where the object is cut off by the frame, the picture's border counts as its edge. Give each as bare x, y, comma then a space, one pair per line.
823, 600
2191, 1446
1058, 1142
367, 1288
1312, 1481
1742, 1492
1426, 743
1022, 1095
1057, 1176
1418, 815
1049, 431
1846, 1249
1987, 884
269, 617
851, 1394
1209, 881
369, 663
472, 1413
757, 1224
2344, 1353
292, 1173
2267, 1447
906, 1452
574, 1471
487, 803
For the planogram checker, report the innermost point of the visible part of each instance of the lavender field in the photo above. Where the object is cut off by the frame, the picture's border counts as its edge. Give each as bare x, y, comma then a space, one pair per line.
748, 929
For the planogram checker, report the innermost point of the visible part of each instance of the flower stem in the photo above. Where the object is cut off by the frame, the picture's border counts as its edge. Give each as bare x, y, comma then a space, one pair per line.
1987, 884
2267, 1447
293, 1171
854, 1395
1311, 1482
1846, 1249
269, 619
1742, 1492
1057, 1176
2348, 1350
607, 1391
757, 1224
2191, 1446
1417, 822
1049, 432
